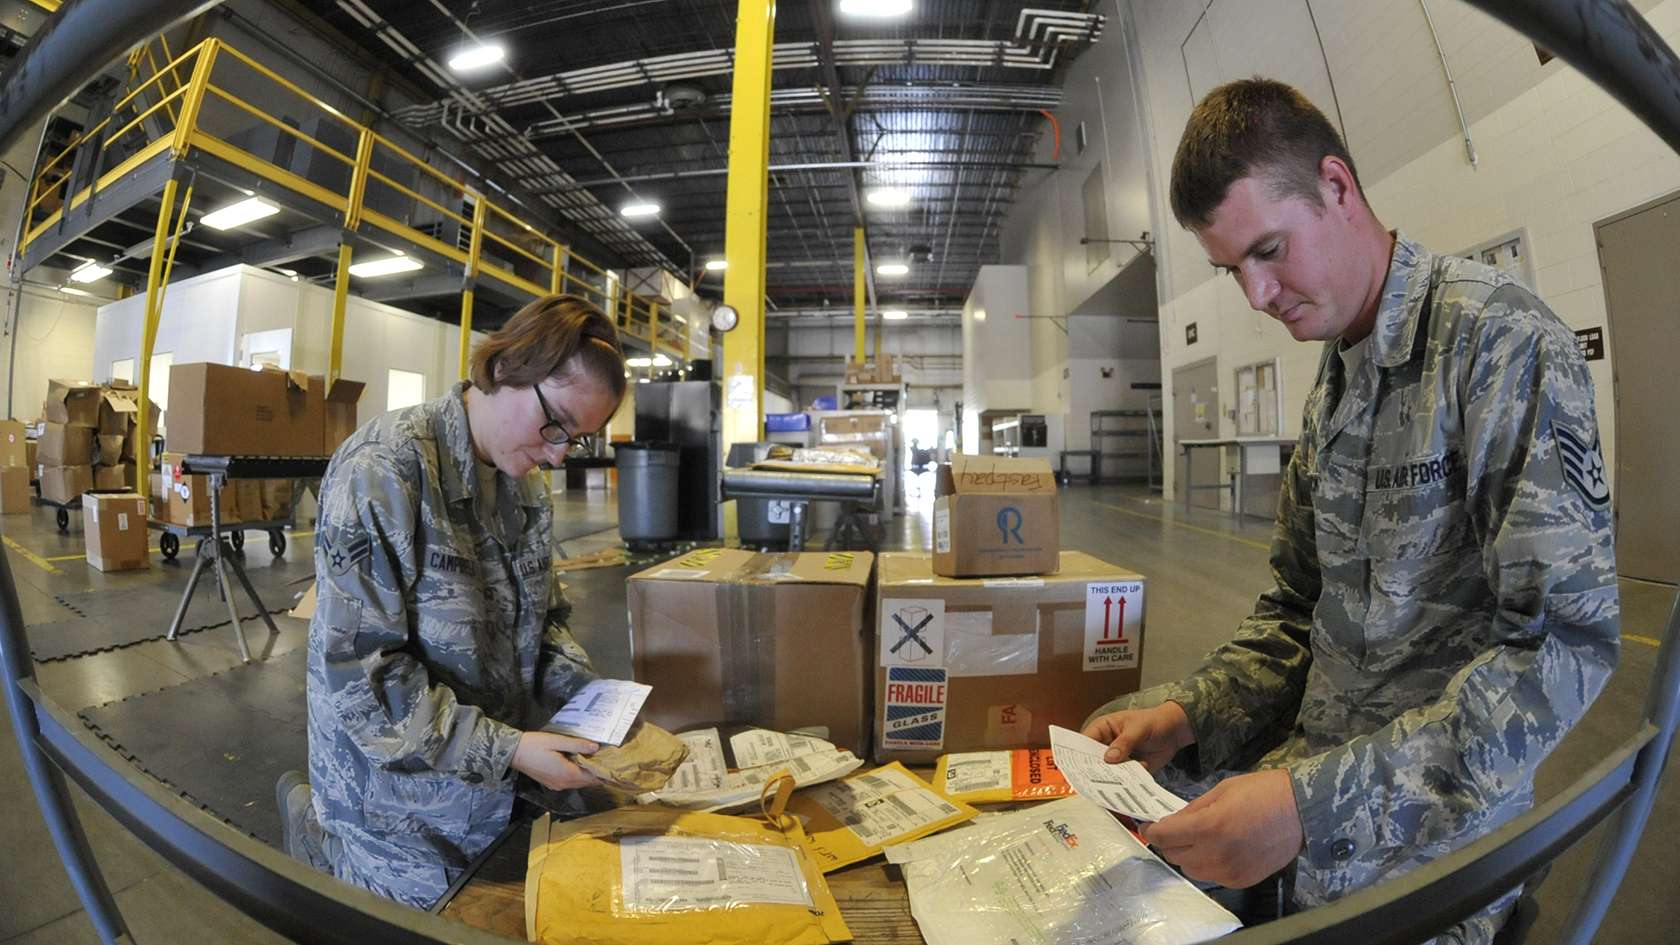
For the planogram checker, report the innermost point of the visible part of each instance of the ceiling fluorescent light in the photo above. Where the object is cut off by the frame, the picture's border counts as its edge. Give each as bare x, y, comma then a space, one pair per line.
477, 57
639, 362
891, 269
239, 214
67, 290
888, 197
89, 271
390, 265
875, 7
640, 209
895, 314
716, 265
660, 360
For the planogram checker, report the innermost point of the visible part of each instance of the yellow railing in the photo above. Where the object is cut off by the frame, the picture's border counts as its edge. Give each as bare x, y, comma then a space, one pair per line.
494, 242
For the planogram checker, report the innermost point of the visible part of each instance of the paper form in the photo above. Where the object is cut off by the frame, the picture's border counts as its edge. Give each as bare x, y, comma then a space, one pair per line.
602, 711
1125, 788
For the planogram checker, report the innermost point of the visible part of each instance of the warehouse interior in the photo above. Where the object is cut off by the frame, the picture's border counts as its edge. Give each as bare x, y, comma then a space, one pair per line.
860, 256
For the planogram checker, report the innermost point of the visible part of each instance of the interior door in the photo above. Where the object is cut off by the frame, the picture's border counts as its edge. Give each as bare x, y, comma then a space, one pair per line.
1196, 417
1640, 256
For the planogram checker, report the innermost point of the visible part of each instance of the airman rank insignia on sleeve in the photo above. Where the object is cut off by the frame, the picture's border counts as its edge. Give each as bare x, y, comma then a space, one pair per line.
346, 551
1583, 467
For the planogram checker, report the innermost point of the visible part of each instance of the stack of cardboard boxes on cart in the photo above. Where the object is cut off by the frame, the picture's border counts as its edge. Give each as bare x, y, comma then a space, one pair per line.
980, 645
221, 410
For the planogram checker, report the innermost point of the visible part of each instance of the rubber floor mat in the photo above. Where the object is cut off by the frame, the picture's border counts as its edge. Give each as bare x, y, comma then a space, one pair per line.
221, 740
139, 616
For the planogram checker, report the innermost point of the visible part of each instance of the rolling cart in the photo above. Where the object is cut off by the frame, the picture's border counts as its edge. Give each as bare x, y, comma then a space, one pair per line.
170, 541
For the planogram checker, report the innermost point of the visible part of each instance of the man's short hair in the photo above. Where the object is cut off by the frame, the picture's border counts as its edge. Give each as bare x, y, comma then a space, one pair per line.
1251, 127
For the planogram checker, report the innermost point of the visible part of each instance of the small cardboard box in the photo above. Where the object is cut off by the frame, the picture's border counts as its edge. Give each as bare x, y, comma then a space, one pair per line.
247, 495
977, 664
108, 449
115, 528
14, 444
32, 449
995, 516
63, 483
73, 403
780, 640
276, 499
14, 489
218, 409
113, 477
63, 445
159, 498
119, 408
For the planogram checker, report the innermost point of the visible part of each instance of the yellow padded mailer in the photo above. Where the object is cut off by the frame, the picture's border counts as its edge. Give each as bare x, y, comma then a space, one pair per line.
650, 876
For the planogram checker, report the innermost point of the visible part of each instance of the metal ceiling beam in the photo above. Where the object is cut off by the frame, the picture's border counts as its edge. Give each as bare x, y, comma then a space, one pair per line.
839, 109
850, 164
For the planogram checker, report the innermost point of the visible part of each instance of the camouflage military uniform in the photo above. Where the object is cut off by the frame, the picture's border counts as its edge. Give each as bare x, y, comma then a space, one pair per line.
1445, 606
438, 634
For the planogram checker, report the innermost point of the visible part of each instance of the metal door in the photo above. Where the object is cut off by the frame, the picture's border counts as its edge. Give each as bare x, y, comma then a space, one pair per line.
1195, 393
1639, 254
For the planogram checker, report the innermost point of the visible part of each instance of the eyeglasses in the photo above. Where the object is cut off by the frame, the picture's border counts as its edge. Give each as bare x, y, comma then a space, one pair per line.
552, 432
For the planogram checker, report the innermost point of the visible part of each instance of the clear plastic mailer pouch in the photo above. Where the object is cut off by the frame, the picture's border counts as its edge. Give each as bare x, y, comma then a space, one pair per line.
852, 820
649, 876
1062, 871
1000, 777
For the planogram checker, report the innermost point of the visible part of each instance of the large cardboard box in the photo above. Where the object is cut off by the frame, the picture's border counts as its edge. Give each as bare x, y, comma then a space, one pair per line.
115, 526
63, 483
14, 444
995, 516
219, 409
14, 490
975, 664
338, 411
247, 498
780, 640
73, 403
63, 445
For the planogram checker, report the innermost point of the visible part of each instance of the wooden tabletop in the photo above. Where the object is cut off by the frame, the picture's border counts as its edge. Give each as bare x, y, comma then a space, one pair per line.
875, 905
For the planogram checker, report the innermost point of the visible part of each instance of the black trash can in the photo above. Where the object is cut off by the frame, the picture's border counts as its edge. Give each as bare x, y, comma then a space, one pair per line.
647, 491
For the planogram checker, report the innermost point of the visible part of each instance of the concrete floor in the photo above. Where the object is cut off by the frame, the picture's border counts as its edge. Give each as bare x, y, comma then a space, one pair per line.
1203, 570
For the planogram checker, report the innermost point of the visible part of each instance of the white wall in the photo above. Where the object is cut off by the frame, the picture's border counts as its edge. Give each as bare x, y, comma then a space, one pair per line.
54, 336
204, 318
996, 347
1555, 155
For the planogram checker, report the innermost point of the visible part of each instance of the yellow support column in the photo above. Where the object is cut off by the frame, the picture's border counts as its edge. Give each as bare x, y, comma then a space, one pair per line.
557, 280
148, 336
472, 280
747, 215
859, 309
653, 327
341, 282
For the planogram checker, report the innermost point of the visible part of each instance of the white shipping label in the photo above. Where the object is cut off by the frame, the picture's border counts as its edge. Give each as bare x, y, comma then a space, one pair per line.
757, 747
977, 771
680, 874
942, 531
912, 632
743, 393
882, 806
1113, 624
122, 521
602, 711
704, 768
